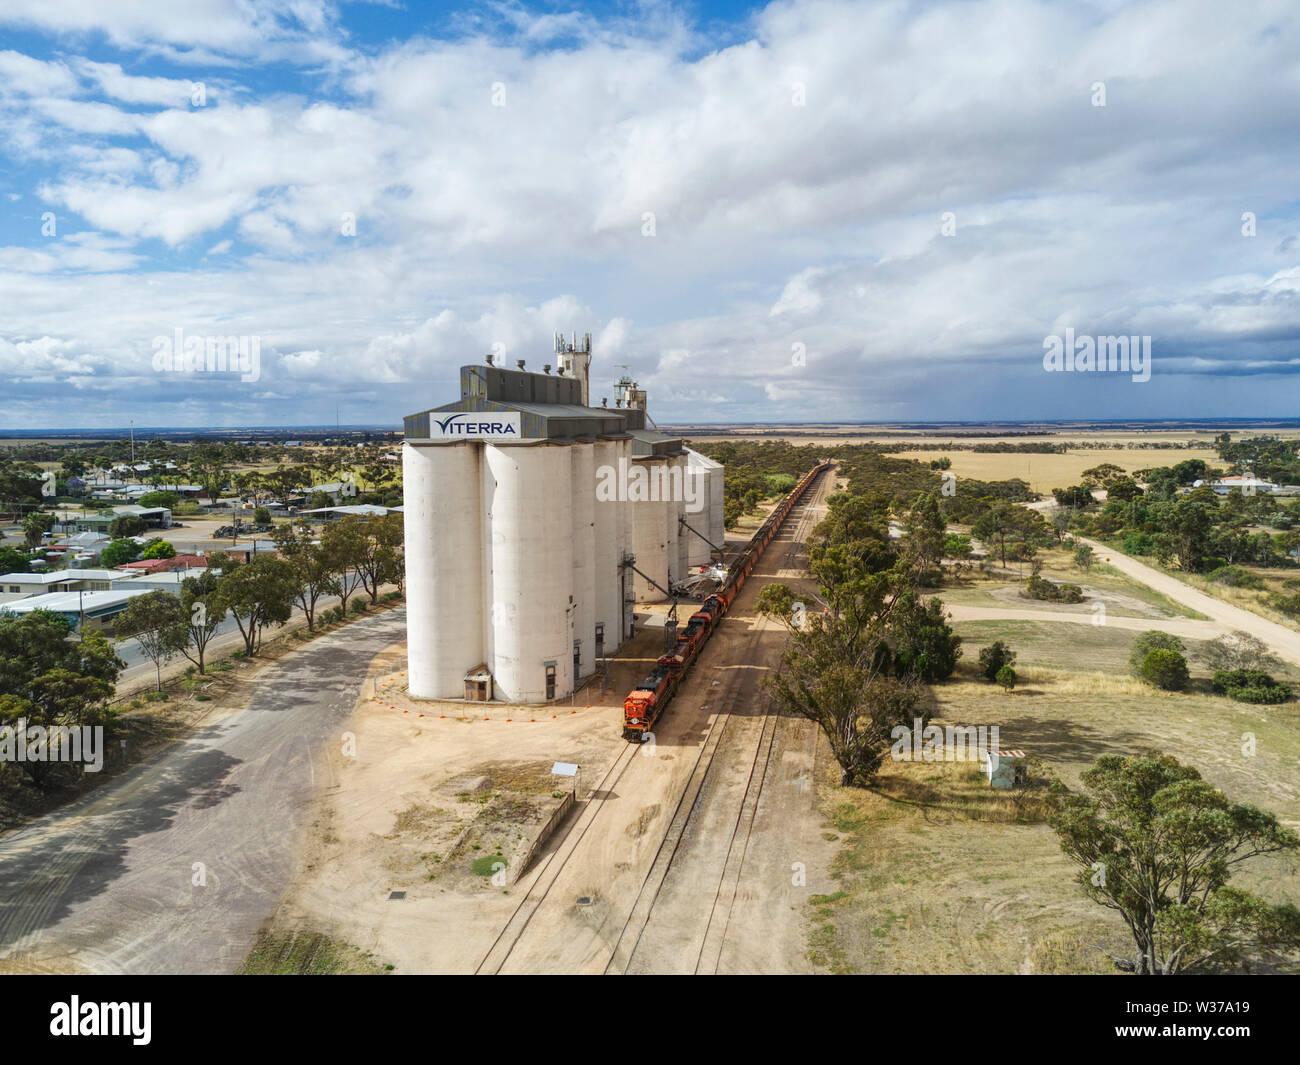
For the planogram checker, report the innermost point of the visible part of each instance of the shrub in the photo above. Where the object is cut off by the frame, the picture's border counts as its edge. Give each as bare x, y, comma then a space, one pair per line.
1236, 577
357, 606
994, 657
1006, 678
158, 548
1151, 640
1166, 670
1041, 588
1139, 543
1250, 686
1286, 604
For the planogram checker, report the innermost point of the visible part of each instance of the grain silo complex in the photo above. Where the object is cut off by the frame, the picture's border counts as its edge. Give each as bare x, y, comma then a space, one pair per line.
529, 513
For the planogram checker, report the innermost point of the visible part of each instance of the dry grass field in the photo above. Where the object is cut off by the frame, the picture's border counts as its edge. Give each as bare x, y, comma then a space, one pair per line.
940, 874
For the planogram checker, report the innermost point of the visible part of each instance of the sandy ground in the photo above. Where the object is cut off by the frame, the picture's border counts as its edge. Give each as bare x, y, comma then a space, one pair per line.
696, 852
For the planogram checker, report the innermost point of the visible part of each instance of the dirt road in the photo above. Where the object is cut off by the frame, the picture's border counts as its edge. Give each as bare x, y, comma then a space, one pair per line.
172, 867
1284, 642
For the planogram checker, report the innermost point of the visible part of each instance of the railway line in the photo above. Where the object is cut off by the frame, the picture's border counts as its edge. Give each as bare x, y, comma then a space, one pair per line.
618, 945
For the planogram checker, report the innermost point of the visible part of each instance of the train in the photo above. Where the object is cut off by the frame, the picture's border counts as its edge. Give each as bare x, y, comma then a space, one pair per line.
646, 702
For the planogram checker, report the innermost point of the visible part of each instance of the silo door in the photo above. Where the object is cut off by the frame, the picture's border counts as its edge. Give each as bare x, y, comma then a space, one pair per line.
550, 681
577, 661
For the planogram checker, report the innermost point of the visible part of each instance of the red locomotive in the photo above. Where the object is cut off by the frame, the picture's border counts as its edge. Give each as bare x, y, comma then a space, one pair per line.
645, 703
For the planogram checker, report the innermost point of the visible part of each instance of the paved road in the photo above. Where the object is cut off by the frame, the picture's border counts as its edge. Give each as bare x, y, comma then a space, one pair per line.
106, 883
1284, 642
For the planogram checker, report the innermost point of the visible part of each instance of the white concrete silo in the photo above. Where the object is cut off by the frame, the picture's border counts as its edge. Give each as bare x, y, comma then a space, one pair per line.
705, 513
651, 529
607, 512
582, 468
625, 594
444, 596
532, 570
684, 535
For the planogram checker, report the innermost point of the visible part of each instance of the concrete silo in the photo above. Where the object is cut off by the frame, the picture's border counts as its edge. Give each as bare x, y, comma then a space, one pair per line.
523, 505
705, 511
444, 540
583, 539
532, 595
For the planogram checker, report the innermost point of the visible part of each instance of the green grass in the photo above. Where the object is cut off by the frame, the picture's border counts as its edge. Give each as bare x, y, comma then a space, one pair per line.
307, 954
485, 866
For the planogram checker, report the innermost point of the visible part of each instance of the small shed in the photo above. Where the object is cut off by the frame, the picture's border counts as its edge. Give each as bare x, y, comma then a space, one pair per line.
478, 685
1004, 769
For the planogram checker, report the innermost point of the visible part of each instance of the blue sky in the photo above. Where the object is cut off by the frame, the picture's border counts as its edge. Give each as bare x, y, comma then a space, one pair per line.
797, 211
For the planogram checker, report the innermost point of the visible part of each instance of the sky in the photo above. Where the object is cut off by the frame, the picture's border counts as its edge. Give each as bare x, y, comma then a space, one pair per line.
799, 211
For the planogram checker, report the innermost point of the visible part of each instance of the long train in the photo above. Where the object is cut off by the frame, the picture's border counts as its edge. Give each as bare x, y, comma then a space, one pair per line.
646, 702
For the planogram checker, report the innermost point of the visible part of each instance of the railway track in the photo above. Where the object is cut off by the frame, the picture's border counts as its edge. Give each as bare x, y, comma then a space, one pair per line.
629, 938
709, 954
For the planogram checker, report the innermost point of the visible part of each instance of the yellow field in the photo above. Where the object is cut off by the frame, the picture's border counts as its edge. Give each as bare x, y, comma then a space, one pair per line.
1045, 472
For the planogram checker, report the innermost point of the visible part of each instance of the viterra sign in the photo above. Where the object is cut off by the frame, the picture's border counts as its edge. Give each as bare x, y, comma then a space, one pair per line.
488, 425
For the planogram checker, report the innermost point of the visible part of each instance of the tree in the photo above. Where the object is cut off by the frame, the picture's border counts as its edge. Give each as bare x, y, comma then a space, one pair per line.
1185, 526
261, 516
344, 548
257, 594
1165, 669
126, 525
1238, 650
48, 680
1076, 497
994, 657
312, 571
118, 553
202, 613
379, 560
158, 548
925, 647
159, 499
1006, 678
35, 526
838, 669
1146, 642
956, 546
12, 561
1157, 844
1006, 525
1122, 489
151, 619
1083, 556
923, 534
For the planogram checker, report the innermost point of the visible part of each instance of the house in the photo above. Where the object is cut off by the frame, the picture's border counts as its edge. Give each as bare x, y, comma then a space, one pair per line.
163, 565
334, 490
1247, 484
154, 517
89, 543
89, 610
362, 510
16, 586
